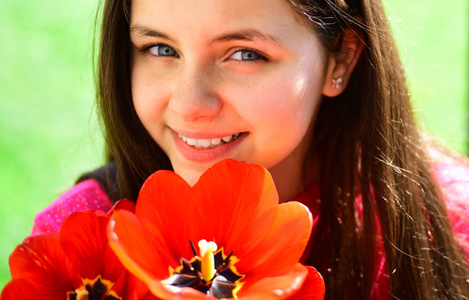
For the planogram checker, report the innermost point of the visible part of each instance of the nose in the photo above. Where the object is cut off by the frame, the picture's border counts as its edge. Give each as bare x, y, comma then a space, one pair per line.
194, 96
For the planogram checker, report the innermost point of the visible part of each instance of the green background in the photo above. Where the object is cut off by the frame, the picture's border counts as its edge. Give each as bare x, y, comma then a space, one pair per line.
48, 129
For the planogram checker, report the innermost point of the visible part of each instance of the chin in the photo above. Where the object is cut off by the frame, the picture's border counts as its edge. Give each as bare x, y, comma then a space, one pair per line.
190, 176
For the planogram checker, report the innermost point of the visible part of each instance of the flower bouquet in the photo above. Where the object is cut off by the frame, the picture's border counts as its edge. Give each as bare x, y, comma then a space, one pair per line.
227, 237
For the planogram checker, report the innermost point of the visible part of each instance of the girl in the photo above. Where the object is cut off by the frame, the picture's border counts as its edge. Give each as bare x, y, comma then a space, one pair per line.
312, 90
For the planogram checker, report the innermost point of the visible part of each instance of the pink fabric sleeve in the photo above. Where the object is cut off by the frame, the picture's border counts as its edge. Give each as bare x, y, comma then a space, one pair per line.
85, 195
453, 179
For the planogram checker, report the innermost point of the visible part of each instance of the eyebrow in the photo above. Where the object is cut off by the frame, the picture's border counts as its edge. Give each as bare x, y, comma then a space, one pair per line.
146, 31
249, 34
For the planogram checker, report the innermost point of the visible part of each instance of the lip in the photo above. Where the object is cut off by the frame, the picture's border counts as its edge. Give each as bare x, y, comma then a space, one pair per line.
205, 155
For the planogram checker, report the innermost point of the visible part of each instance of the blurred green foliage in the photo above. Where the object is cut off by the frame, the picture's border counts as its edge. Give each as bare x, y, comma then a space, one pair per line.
433, 41
48, 129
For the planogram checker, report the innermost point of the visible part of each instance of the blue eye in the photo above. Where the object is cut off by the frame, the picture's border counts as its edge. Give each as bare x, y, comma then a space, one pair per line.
246, 55
163, 50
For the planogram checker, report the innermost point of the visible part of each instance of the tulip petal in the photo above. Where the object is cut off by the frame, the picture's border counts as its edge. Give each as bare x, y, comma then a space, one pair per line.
138, 251
137, 289
164, 209
125, 204
278, 287
237, 205
233, 204
186, 293
22, 289
282, 247
313, 287
83, 238
41, 261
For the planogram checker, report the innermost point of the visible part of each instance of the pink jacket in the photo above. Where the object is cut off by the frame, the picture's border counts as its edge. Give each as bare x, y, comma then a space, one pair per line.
85, 195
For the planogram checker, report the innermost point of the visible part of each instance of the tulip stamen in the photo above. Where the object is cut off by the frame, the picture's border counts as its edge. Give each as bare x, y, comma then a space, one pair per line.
187, 264
194, 251
207, 259
210, 271
97, 288
226, 261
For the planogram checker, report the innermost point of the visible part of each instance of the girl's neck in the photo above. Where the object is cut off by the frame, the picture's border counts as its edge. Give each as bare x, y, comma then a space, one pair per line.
291, 182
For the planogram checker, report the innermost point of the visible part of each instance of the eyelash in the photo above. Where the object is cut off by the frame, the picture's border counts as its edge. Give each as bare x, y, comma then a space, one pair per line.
262, 57
146, 49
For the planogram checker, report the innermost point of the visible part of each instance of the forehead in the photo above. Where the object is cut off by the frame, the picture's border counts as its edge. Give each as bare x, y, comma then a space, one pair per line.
207, 16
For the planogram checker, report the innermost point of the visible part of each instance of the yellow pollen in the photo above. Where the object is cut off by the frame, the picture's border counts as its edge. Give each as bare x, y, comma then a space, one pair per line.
82, 294
207, 259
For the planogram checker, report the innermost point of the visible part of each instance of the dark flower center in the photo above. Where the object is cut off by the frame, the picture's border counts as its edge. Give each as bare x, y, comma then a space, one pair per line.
96, 289
223, 283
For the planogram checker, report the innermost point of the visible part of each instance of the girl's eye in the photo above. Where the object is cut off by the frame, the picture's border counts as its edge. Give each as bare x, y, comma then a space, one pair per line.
246, 55
163, 50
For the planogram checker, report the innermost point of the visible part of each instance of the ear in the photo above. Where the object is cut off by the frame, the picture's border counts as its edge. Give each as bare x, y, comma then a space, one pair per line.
341, 65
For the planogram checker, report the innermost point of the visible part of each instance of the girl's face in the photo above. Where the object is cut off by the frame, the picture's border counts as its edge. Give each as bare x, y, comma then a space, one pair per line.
216, 79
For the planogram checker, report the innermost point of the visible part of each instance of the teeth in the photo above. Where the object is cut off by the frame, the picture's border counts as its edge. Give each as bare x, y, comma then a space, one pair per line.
192, 142
208, 143
182, 137
227, 138
204, 143
216, 141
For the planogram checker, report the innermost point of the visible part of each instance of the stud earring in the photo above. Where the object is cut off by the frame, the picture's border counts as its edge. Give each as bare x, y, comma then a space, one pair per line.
336, 82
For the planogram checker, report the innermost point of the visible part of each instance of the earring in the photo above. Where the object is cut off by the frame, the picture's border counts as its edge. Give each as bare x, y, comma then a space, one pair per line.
336, 82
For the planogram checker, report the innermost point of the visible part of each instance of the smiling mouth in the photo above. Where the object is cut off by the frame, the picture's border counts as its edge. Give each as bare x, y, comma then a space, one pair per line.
209, 143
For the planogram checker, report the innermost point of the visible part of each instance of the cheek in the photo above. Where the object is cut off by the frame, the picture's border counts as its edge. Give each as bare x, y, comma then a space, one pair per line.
281, 111
289, 100
149, 99
148, 95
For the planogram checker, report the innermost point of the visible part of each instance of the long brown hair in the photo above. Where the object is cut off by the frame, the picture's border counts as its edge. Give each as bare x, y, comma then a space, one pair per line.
367, 142
127, 142
366, 138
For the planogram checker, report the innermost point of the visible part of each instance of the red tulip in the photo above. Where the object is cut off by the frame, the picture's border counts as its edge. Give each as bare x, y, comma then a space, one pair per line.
75, 263
225, 237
